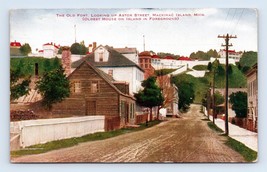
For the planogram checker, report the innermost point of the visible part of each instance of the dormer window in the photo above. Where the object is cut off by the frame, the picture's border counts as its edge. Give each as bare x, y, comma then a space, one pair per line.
101, 54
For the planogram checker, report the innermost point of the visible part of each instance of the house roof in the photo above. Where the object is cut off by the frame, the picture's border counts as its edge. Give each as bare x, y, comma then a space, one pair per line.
109, 79
15, 44
56, 46
145, 53
184, 58
155, 57
115, 60
168, 57
126, 50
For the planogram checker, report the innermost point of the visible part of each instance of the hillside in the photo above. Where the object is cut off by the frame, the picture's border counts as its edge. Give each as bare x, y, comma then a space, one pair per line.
26, 65
236, 80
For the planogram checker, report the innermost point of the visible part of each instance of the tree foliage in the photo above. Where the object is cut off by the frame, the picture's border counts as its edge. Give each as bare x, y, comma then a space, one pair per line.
25, 49
209, 67
201, 55
247, 60
240, 103
186, 95
219, 99
54, 87
151, 95
19, 86
78, 48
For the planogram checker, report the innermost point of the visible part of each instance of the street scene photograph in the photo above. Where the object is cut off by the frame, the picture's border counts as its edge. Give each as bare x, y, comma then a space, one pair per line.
148, 85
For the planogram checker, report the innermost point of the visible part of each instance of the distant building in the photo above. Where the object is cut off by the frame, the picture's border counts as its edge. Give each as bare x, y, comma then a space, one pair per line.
130, 53
50, 50
15, 48
232, 54
145, 63
170, 94
116, 65
252, 86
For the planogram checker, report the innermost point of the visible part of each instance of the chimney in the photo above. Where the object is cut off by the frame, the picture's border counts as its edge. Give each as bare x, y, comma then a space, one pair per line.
94, 46
66, 59
90, 48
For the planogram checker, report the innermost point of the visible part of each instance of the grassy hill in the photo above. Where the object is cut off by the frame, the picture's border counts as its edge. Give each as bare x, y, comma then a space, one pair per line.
236, 79
26, 65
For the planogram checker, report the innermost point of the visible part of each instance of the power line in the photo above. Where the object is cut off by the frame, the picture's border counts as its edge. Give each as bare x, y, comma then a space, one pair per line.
238, 21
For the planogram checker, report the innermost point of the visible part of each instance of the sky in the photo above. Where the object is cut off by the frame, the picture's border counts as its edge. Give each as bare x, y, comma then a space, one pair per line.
176, 31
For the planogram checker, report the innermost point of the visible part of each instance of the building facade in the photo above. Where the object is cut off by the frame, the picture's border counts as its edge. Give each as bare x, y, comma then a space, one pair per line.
93, 92
130, 53
116, 65
252, 86
50, 50
232, 54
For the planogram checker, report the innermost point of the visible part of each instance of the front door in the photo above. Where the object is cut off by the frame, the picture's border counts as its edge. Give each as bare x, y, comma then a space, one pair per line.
91, 108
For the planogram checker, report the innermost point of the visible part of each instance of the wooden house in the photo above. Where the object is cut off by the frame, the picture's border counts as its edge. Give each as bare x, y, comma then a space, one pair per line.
93, 92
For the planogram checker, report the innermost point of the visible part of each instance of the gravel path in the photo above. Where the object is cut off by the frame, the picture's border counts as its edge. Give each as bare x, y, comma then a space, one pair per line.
187, 139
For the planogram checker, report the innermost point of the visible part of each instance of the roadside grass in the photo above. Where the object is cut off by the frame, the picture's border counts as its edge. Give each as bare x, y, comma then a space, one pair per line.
248, 154
64, 143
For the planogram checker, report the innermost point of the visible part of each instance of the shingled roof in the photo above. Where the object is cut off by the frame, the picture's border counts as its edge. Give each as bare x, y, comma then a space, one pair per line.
115, 60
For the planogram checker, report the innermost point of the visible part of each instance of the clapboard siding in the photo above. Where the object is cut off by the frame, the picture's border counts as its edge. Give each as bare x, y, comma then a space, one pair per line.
106, 101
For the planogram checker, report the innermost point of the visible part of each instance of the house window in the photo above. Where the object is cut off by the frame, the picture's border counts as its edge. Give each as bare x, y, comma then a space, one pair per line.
101, 56
94, 87
77, 87
110, 72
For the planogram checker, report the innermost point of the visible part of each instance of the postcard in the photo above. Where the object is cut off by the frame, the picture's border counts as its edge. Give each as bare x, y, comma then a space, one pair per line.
133, 85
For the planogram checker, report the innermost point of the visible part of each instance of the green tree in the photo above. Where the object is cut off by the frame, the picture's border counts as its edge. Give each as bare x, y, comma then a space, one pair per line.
47, 65
25, 49
240, 103
151, 95
78, 48
56, 63
54, 87
18, 86
186, 95
209, 67
249, 58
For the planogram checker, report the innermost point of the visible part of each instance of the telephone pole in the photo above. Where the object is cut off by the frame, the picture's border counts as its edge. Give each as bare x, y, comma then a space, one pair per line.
144, 42
75, 33
227, 45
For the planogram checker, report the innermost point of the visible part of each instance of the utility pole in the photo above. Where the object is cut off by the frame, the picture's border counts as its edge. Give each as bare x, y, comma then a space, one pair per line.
226, 38
213, 100
144, 43
75, 33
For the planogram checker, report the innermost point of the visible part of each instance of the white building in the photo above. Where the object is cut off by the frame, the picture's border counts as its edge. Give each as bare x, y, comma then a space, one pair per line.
50, 50
130, 53
232, 54
116, 65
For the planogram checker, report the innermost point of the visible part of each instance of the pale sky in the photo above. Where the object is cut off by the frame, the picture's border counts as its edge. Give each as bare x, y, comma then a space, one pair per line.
181, 36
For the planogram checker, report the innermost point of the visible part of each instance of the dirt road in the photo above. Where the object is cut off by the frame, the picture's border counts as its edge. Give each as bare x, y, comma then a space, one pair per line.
187, 139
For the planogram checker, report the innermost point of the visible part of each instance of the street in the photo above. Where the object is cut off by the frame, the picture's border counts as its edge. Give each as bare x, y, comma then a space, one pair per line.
186, 139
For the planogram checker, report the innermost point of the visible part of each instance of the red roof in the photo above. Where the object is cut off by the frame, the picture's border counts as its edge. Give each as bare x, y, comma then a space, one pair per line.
168, 57
41, 51
184, 58
155, 57
15, 44
144, 53
56, 46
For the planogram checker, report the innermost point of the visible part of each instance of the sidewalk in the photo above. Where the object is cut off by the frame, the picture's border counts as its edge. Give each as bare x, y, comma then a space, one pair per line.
249, 138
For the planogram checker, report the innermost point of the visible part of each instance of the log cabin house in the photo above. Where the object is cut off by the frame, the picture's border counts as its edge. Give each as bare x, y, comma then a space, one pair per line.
93, 92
